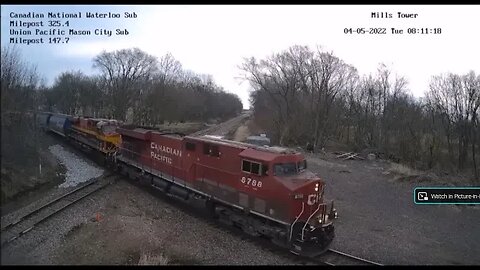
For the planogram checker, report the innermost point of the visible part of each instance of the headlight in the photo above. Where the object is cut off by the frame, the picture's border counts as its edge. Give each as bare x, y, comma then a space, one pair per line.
334, 213
316, 187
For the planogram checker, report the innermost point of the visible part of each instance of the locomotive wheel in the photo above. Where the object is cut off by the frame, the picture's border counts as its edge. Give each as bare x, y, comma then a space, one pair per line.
211, 209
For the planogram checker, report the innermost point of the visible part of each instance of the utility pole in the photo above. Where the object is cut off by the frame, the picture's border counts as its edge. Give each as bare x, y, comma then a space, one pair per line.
36, 128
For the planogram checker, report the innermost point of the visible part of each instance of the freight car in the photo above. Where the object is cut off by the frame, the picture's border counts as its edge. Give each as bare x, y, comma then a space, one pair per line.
59, 124
41, 120
266, 191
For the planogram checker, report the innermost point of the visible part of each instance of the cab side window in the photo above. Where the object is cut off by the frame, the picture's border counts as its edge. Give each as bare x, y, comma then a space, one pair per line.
211, 150
254, 167
190, 146
246, 165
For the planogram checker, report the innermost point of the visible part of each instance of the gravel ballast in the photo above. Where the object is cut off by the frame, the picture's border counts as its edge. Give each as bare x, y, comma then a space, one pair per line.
78, 171
124, 224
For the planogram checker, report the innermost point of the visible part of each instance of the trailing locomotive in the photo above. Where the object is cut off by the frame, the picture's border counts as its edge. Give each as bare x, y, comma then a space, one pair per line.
265, 191
93, 133
97, 133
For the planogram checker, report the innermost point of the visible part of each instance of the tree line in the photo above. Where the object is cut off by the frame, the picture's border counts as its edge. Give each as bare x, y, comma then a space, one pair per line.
132, 86
300, 96
304, 96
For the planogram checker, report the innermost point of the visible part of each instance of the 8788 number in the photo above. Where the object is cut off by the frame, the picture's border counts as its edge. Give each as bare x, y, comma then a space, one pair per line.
251, 182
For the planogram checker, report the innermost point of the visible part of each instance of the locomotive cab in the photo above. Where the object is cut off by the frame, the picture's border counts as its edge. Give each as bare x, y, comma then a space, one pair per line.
311, 231
299, 197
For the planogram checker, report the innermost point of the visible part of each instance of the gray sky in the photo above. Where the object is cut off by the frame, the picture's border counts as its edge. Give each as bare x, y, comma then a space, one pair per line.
213, 39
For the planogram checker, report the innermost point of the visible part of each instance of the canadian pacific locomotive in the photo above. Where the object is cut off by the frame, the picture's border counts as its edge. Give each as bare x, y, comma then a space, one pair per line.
266, 191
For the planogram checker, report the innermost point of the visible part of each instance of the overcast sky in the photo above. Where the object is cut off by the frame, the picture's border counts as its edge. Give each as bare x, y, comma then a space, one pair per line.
214, 39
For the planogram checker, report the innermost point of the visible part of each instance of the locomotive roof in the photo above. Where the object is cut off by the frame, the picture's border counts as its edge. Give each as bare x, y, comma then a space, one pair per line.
138, 133
144, 134
269, 149
258, 155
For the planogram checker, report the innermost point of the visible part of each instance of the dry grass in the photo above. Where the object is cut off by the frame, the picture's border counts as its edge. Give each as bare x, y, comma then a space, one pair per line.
402, 170
187, 128
406, 174
241, 133
153, 259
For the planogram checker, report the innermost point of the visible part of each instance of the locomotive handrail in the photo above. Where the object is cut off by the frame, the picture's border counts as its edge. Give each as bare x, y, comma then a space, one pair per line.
295, 221
306, 223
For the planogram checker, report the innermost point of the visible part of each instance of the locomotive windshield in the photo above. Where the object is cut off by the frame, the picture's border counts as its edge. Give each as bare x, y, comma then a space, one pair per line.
109, 129
285, 169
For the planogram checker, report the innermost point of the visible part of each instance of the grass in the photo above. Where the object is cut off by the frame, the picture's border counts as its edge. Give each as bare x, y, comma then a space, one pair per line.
187, 128
402, 170
167, 257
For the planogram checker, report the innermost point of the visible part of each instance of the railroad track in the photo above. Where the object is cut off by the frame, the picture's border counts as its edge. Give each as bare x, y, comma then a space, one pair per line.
331, 257
222, 129
334, 257
27, 222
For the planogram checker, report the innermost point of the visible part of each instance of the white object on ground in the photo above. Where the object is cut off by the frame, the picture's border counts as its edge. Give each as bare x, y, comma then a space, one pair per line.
78, 171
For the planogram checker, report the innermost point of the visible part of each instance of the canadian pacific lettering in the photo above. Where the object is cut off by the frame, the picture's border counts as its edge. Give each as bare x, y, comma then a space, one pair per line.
166, 149
157, 152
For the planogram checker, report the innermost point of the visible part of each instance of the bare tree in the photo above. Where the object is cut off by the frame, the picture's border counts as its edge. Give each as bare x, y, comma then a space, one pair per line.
125, 73
18, 81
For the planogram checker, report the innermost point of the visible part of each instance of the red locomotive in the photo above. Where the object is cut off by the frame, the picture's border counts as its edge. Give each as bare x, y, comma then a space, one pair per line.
264, 190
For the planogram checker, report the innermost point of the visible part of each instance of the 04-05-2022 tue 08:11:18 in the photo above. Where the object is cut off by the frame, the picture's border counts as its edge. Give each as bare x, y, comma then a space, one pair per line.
392, 30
